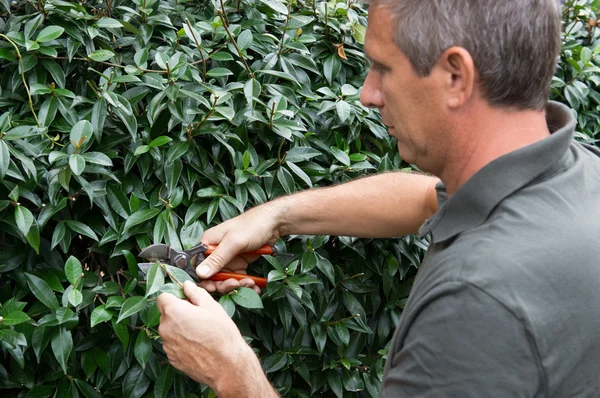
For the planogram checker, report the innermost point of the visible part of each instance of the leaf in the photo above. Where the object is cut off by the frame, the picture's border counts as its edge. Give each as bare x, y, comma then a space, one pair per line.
48, 111
4, 159
80, 133
105, 22
326, 267
300, 154
228, 305
42, 291
219, 72
73, 270
300, 173
14, 318
333, 379
139, 217
143, 348
101, 55
163, 383
82, 229
75, 297
49, 33
77, 164
100, 314
155, 279
24, 219
132, 306
97, 158
177, 275
86, 389
340, 155
247, 298
343, 110
286, 180
244, 40
359, 32
586, 55
135, 383
173, 289
160, 141
62, 345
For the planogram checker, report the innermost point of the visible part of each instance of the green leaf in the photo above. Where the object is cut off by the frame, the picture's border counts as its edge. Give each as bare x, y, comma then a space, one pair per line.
247, 298
48, 111
42, 291
139, 217
86, 389
173, 289
62, 345
160, 141
343, 110
105, 22
75, 297
73, 270
300, 154
4, 159
49, 33
97, 158
359, 32
244, 40
100, 314
333, 379
228, 305
132, 306
24, 219
163, 383
340, 155
286, 180
178, 275
219, 72
326, 267
33, 237
155, 279
121, 331
143, 348
77, 164
82, 229
586, 55
80, 133
101, 55
141, 150
14, 318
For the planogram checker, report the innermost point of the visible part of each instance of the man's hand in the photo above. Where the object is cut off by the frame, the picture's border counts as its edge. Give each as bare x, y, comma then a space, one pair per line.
202, 341
249, 231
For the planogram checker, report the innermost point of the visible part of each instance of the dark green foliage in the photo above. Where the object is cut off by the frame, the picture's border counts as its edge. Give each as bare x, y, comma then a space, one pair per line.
149, 122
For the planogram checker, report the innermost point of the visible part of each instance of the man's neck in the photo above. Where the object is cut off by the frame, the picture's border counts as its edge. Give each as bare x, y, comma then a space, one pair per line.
488, 134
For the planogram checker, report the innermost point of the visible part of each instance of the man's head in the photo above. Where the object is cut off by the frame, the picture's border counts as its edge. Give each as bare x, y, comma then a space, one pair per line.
436, 61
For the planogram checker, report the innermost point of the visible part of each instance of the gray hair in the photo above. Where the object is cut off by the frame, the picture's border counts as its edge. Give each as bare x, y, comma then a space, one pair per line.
514, 43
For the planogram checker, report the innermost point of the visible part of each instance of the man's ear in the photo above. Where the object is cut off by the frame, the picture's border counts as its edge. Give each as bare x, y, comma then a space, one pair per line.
460, 75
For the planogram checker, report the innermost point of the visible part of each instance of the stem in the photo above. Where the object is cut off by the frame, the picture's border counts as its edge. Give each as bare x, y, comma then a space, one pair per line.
106, 9
287, 21
279, 152
23, 77
272, 114
235, 44
93, 89
105, 63
350, 277
199, 49
343, 319
226, 21
209, 114
170, 275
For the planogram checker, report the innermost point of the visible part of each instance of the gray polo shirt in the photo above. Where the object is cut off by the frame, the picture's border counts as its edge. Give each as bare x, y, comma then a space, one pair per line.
507, 300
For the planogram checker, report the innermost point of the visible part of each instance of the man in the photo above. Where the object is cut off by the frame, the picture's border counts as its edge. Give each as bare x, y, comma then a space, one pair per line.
506, 302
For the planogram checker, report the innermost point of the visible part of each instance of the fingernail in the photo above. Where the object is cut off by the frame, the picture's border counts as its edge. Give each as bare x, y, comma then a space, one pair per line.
203, 271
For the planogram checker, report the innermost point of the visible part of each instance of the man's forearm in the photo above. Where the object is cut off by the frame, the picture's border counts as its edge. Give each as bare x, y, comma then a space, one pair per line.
384, 205
247, 381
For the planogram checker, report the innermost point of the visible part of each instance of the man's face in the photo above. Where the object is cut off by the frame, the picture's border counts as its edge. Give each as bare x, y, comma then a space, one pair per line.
409, 105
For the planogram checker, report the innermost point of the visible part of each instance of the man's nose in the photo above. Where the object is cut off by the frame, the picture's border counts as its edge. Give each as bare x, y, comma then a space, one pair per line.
371, 95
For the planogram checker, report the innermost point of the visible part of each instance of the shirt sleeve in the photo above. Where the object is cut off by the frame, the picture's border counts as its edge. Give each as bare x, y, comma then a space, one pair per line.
464, 344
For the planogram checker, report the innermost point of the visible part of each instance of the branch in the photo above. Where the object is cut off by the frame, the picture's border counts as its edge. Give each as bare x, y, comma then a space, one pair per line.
235, 44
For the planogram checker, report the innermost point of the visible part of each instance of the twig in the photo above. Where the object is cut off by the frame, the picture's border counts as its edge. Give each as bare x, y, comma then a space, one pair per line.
23, 77
287, 21
106, 63
226, 21
235, 44
170, 275
272, 114
199, 49
209, 114
343, 319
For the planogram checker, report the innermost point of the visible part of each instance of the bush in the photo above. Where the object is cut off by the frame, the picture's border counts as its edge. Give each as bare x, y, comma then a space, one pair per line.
129, 123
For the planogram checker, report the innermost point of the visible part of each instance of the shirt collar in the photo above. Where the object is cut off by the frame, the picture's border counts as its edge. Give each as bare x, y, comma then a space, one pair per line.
471, 205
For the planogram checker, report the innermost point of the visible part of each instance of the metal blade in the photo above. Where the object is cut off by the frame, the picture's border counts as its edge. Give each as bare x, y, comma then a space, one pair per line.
158, 251
145, 267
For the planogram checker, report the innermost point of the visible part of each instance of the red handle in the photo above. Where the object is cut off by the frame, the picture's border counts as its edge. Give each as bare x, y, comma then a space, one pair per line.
266, 249
222, 276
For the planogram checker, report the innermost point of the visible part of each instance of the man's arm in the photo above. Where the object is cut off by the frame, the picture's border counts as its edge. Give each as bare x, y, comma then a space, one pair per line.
384, 205
463, 344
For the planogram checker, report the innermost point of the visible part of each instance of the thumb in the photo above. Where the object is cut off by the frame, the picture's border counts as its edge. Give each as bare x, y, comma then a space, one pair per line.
196, 295
218, 259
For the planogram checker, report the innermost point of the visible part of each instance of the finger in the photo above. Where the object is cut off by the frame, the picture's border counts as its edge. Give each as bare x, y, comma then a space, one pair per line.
256, 289
223, 254
208, 285
164, 300
196, 295
228, 285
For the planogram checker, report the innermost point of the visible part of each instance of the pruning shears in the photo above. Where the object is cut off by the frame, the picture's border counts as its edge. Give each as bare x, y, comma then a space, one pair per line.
187, 260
